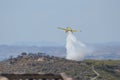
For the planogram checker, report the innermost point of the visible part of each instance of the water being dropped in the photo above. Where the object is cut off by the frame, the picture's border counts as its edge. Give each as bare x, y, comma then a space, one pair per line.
76, 50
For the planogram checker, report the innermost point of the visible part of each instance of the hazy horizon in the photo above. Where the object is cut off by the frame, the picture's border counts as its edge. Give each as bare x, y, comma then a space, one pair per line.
37, 20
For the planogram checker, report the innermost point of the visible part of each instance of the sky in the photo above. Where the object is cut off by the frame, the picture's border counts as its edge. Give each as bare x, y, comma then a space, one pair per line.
35, 21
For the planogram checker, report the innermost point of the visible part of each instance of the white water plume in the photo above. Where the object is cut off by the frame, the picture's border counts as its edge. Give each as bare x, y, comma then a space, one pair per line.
76, 50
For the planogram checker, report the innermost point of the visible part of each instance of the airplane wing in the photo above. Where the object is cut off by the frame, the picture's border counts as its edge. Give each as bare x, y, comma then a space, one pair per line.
76, 31
61, 28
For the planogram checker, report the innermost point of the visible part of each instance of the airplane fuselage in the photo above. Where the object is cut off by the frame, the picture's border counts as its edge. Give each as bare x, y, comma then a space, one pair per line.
68, 29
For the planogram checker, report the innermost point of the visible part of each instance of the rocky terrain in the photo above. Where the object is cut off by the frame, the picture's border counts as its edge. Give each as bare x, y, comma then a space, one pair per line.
79, 70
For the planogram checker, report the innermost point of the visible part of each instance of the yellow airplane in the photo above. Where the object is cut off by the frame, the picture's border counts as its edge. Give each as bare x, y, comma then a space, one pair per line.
69, 29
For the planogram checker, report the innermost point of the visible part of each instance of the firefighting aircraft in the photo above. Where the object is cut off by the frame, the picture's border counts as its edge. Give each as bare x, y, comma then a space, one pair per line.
69, 29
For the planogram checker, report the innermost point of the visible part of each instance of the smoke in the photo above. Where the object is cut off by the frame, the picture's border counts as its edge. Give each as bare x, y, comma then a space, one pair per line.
76, 50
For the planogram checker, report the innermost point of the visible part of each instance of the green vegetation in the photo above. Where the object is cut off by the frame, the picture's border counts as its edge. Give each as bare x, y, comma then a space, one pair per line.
79, 70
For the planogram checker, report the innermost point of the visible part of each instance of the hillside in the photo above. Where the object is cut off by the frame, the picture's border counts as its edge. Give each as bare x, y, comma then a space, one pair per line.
6, 51
79, 70
99, 51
